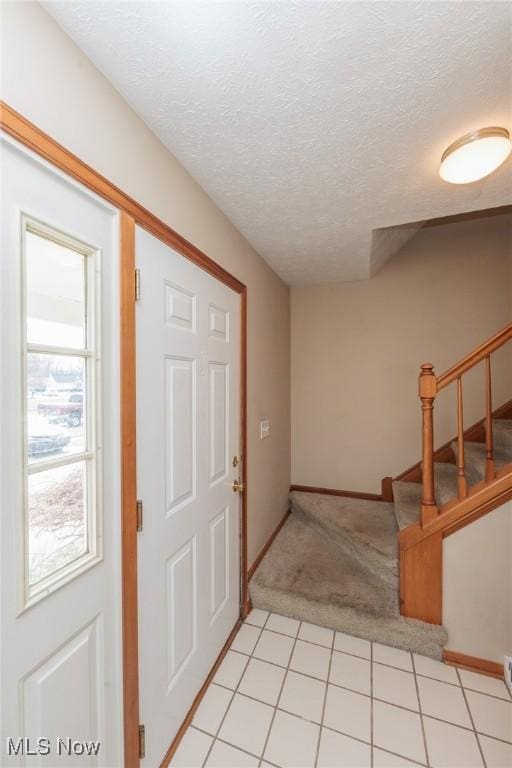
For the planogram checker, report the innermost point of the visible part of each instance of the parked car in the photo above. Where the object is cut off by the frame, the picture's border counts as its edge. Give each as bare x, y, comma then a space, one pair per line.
44, 438
68, 411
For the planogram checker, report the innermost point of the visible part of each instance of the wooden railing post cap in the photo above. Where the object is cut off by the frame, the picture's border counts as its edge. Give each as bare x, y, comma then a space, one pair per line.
427, 381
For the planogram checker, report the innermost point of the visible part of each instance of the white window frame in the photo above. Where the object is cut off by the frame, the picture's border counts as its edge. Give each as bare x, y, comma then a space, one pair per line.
92, 455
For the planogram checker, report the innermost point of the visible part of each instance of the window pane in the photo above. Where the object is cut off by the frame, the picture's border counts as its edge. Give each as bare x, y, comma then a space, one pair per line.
57, 530
55, 406
55, 293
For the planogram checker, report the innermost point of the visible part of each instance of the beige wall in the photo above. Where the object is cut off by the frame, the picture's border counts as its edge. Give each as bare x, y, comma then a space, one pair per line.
357, 347
48, 80
477, 587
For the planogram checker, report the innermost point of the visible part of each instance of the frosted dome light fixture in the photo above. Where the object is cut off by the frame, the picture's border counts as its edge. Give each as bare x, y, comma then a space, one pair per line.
475, 155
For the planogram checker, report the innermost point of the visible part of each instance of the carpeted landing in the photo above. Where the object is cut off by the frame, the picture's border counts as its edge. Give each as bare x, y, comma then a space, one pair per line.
335, 560
334, 563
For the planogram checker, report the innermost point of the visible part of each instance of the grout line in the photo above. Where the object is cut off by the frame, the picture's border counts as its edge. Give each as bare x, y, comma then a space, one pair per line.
230, 703
471, 719
396, 754
324, 704
371, 704
460, 684
420, 711
280, 693
223, 741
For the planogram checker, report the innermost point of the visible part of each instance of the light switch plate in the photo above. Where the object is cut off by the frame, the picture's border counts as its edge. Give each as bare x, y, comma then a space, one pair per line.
264, 429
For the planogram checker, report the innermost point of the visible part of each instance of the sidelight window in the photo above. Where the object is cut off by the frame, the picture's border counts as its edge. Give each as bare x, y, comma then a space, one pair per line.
62, 408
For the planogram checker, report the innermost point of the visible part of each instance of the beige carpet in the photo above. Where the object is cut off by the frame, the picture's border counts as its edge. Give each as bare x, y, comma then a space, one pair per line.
334, 564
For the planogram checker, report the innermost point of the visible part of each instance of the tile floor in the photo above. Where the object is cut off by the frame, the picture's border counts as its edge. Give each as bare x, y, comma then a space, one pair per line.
295, 695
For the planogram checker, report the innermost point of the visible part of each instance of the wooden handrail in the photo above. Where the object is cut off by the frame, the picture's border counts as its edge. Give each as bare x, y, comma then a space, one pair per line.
482, 498
429, 386
478, 354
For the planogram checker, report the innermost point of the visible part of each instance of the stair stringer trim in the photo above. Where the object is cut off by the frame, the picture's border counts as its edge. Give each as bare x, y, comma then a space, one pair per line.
421, 547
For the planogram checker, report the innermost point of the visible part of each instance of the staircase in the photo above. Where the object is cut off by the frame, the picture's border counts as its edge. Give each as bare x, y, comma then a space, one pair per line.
407, 495
373, 568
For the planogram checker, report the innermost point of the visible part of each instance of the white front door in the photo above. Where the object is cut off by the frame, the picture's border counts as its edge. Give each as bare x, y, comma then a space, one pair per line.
61, 681
188, 433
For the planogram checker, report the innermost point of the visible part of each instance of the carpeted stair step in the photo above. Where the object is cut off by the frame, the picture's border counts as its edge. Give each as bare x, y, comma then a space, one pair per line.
307, 576
363, 530
474, 460
407, 496
407, 500
445, 482
502, 435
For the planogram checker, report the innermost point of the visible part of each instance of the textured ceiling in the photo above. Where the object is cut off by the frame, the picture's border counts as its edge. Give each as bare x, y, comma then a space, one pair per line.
312, 125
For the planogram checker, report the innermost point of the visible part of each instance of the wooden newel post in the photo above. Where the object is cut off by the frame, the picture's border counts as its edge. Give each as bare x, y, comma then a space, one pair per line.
428, 391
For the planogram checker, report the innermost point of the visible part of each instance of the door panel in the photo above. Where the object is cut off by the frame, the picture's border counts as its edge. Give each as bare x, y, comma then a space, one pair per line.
188, 430
180, 417
60, 638
47, 691
219, 561
181, 608
219, 422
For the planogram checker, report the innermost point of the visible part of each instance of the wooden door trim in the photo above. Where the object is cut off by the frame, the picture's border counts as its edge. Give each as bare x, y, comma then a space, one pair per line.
129, 490
32, 137
132, 213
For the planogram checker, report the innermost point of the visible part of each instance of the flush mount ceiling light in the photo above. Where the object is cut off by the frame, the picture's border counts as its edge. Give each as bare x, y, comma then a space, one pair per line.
475, 155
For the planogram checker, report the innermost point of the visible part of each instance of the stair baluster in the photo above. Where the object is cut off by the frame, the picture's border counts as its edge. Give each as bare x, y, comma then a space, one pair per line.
462, 488
489, 461
428, 390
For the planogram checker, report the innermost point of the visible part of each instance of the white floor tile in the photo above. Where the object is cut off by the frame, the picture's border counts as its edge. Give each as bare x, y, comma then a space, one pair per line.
303, 696
311, 660
383, 759
192, 750
225, 756
315, 634
350, 672
246, 724
274, 648
398, 730
292, 742
283, 624
497, 753
231, 670
246, 639
355, 645
395, 685
443, 701
395, 657
257, 617
262, 681
436, 669
484, 684
338, 751
492, 716
348, 712
449, 746
212, 709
